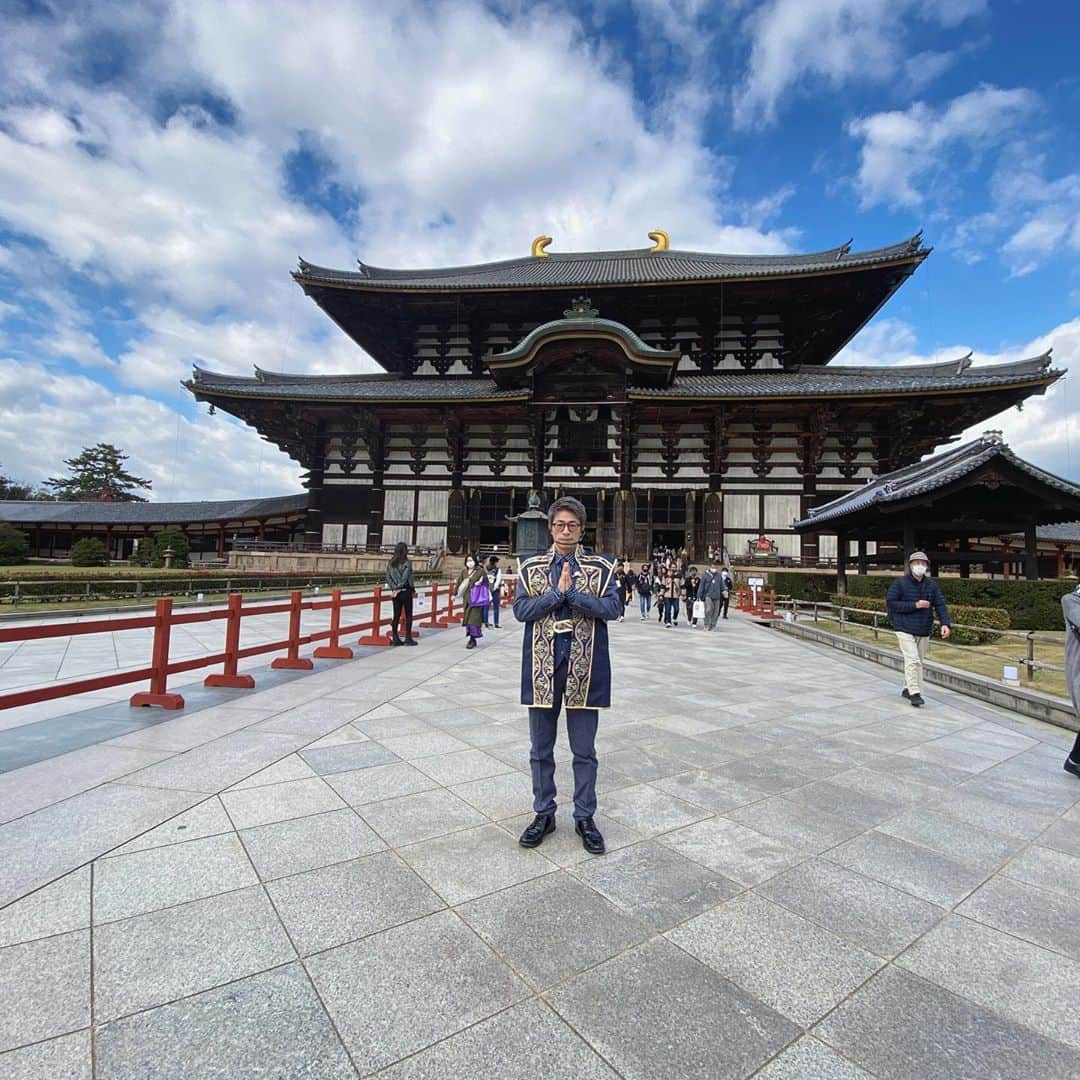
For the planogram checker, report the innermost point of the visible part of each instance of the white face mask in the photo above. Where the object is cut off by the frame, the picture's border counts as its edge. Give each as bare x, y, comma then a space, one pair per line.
918, 569
469, 564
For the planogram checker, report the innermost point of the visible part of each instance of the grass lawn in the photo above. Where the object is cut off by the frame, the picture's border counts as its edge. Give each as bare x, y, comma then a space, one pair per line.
980, 659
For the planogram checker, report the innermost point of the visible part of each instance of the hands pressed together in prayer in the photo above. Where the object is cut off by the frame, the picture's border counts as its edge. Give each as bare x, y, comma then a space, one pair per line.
566, 581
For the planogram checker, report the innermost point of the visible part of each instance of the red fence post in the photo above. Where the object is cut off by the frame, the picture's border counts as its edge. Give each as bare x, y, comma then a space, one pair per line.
375, 638
158, 694
449, 618
292, 659
229, 677
433, 617
334, 650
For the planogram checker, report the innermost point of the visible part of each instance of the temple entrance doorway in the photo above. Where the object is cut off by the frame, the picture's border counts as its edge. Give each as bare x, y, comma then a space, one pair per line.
667, 538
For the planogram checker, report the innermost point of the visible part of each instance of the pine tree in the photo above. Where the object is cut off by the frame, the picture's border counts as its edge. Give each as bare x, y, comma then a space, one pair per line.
98, 475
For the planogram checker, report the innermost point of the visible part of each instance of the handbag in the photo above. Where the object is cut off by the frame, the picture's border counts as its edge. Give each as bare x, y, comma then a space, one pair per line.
699, 609
480, 594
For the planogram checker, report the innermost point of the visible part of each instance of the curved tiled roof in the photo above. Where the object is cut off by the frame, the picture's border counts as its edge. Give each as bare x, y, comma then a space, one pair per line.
804, 382
147, 513
935, 472
587, 268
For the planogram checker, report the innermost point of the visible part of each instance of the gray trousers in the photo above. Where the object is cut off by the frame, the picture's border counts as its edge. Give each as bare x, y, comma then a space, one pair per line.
712, 611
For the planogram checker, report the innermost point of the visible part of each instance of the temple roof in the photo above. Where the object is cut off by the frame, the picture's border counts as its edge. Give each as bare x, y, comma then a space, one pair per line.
806, 382
934, 473
589, 268
41, 512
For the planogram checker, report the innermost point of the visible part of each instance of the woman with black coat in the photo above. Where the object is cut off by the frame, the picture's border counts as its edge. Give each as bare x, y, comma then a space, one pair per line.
399, 583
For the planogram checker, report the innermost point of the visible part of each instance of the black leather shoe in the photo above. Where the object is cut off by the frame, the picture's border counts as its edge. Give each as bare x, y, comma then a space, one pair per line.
591, 840
410, 640
1072, 766
905, 692
917, 700
395, 640
534, 835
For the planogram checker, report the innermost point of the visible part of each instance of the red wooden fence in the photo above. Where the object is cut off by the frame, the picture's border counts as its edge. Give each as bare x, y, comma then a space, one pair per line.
374, 630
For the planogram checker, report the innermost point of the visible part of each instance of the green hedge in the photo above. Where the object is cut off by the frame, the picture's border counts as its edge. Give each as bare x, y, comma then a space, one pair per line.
1032, 605
89, 552
992, 618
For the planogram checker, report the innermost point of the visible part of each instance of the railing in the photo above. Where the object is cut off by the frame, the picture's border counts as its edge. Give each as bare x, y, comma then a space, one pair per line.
820, 610
331, 549
442, 614
757, 603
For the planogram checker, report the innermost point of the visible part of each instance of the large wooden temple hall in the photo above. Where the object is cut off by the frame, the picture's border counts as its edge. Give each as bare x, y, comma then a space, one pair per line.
685, 398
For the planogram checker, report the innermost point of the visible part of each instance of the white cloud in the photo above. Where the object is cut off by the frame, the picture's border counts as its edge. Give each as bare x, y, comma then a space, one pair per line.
1046, 430
47, 417
903, 149
794, 42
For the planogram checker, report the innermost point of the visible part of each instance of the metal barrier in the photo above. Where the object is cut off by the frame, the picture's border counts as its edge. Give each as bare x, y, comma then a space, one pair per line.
164, 619
821, 609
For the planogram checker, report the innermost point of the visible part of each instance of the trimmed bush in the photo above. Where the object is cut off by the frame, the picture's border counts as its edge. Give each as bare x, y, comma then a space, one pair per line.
89, 552
14, 547
1032, 605
991, 618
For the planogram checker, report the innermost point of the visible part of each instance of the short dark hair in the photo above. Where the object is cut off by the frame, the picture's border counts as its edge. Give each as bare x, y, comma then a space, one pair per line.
567, 502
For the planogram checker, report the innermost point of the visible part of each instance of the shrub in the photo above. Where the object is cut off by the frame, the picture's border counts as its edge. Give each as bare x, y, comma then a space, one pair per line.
89, 552
14, 546
1032, 605
991, 618
151, 551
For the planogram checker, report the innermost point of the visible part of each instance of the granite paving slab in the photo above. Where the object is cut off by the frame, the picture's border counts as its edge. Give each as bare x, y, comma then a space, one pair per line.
652, 1013
65, 1058
461, 767
380, 782
706, 789
1047, 868
423, 744
347, 756
552, 927
650, 812
498, 797
55, 909
876, 917
208, 942
908, 867
1037, 915
980, 848
434, 976
473, 862
563, 847
731, 849
293, 767
799, 969
280, 802
1014, 978
44, 988
421, 816
900, 1026
805, 828
127, 885
270, 1024
508, 1046
345, 901
291, 847
207, 818
809, 1059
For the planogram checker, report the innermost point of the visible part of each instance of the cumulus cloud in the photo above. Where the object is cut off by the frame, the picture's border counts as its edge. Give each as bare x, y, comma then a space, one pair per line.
1044, 430
793, 43
903, 148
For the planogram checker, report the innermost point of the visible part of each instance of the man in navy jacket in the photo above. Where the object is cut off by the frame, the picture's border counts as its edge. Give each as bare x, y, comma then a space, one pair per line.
912, 602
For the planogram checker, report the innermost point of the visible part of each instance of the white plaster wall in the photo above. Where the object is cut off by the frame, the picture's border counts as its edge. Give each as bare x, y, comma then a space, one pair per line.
740, 511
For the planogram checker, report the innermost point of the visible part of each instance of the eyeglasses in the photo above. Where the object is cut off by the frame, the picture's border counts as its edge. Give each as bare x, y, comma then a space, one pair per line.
565, 526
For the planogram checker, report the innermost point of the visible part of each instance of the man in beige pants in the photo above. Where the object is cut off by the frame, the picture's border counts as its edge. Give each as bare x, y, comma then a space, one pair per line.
912, 602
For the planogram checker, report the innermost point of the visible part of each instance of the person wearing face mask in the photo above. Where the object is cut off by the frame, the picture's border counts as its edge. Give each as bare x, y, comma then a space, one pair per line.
474, 592
912, 602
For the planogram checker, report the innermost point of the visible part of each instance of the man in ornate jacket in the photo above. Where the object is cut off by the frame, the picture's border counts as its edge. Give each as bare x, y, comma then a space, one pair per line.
565, 597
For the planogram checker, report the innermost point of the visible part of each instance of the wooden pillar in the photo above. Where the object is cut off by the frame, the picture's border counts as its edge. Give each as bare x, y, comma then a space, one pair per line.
862, 553
910, 543
965, 565
1031, 553
841, 562
1061, 560
313, 515
377, 493
691, 502
221, 541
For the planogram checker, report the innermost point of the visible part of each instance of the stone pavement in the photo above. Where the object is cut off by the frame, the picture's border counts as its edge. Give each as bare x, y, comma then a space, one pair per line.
806, 878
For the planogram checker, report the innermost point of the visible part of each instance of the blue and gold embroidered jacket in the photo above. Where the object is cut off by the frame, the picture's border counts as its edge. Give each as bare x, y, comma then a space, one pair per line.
588, 605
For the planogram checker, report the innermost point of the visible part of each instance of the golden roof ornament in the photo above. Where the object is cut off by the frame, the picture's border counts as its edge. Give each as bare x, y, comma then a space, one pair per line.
662, 240
539, 247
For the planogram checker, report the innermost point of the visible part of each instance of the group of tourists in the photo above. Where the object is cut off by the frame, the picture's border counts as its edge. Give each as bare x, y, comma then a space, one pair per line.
673, 588
567, 595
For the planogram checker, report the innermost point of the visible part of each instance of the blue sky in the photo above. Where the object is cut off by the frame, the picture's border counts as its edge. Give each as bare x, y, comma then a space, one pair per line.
162, 165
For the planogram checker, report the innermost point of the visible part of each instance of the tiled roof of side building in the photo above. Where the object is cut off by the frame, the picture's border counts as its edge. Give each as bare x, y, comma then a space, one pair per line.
148, 513
636, 266
935, 472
